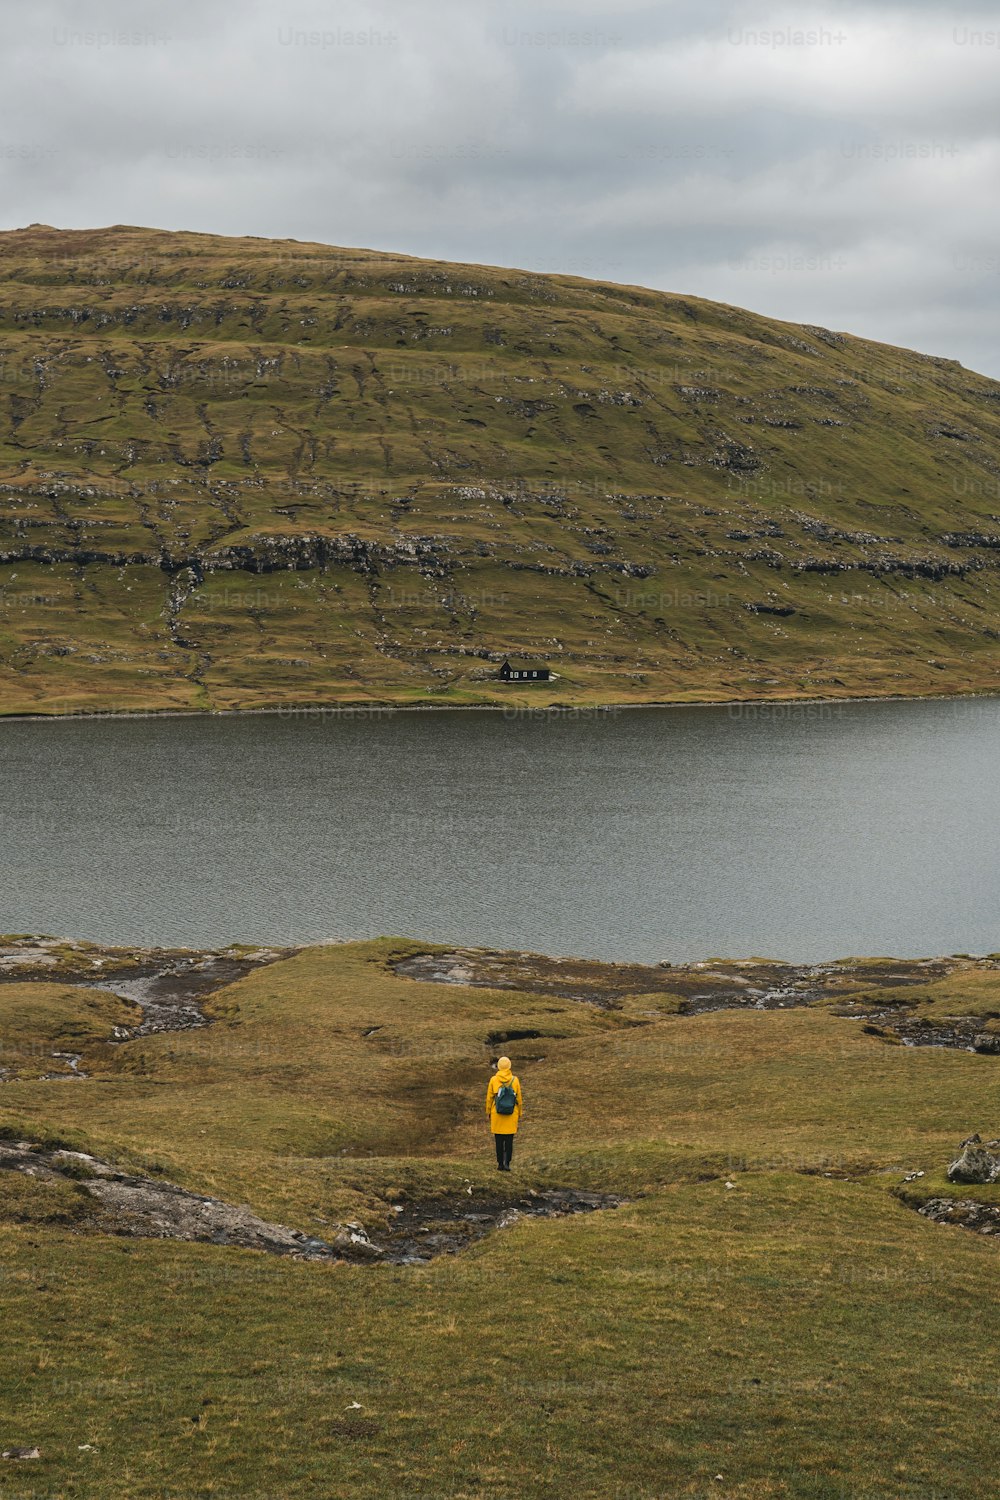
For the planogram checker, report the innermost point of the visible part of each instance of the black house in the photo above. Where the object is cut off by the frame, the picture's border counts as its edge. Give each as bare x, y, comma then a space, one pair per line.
520, 673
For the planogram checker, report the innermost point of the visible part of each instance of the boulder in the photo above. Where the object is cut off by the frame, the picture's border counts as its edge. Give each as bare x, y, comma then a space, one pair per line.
975, 1164
353, 1242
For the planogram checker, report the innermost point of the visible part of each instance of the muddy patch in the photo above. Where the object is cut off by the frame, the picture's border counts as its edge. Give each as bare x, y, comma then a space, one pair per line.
428, 1227
717, 985
962, 1032
169, 994
140, 1207
167, 984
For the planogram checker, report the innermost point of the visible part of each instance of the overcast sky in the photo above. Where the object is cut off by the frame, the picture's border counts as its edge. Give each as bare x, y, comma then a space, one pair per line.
836, 167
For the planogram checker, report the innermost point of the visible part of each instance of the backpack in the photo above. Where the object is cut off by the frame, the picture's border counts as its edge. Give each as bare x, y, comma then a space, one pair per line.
505, 1101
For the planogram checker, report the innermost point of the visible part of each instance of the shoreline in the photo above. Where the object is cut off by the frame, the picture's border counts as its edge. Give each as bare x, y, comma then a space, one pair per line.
513, 710
142, 954
145, 951
892, 999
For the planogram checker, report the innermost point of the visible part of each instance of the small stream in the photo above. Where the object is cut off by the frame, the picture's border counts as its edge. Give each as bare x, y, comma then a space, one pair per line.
168, 992
72, 1059
168, 987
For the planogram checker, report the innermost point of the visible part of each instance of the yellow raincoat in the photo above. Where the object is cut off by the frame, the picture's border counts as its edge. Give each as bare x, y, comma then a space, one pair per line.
503, 1124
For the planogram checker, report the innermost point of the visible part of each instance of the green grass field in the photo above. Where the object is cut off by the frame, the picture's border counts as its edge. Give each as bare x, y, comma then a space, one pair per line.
764, 1308
242, 473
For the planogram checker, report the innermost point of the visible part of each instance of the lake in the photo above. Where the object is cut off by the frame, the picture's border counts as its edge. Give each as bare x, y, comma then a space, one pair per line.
802, 832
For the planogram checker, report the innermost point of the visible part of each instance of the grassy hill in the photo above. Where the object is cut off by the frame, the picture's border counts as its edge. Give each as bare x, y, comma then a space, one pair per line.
764, 1306
242, 472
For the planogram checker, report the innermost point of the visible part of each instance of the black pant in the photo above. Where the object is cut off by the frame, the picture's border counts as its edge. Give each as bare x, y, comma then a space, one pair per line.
505, 1149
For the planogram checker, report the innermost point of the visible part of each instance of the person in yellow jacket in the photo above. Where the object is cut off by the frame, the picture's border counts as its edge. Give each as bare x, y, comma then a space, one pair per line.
504, 1111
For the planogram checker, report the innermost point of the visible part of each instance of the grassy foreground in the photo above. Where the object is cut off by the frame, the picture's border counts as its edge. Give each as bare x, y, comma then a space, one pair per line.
764, 1318
243, 473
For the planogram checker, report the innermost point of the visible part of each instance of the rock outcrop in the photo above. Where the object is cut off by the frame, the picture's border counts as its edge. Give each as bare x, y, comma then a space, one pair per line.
977, 1162
144, 1208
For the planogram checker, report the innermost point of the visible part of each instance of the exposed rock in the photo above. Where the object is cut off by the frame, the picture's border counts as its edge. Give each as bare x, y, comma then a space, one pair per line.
987, 540
143, 1208
154, 1210
975, 1164
964, 1212
882, 1005
353, 1242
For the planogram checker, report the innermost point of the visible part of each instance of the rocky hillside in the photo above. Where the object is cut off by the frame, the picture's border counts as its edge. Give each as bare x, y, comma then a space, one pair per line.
242, 472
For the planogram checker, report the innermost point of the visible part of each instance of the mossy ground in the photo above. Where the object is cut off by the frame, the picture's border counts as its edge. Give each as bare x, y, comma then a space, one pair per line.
40, 1021
967, 991
801, 1332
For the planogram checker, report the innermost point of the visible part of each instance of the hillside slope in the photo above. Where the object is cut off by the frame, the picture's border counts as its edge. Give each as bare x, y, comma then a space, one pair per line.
241, 472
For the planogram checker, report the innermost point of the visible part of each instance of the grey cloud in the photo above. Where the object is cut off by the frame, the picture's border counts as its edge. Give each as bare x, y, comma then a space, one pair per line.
835, 167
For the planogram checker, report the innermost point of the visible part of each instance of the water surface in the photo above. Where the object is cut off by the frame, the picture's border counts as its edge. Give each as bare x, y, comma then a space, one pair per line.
802, 833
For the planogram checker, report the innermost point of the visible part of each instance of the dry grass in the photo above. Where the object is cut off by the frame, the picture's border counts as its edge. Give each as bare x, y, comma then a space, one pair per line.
801, 1332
